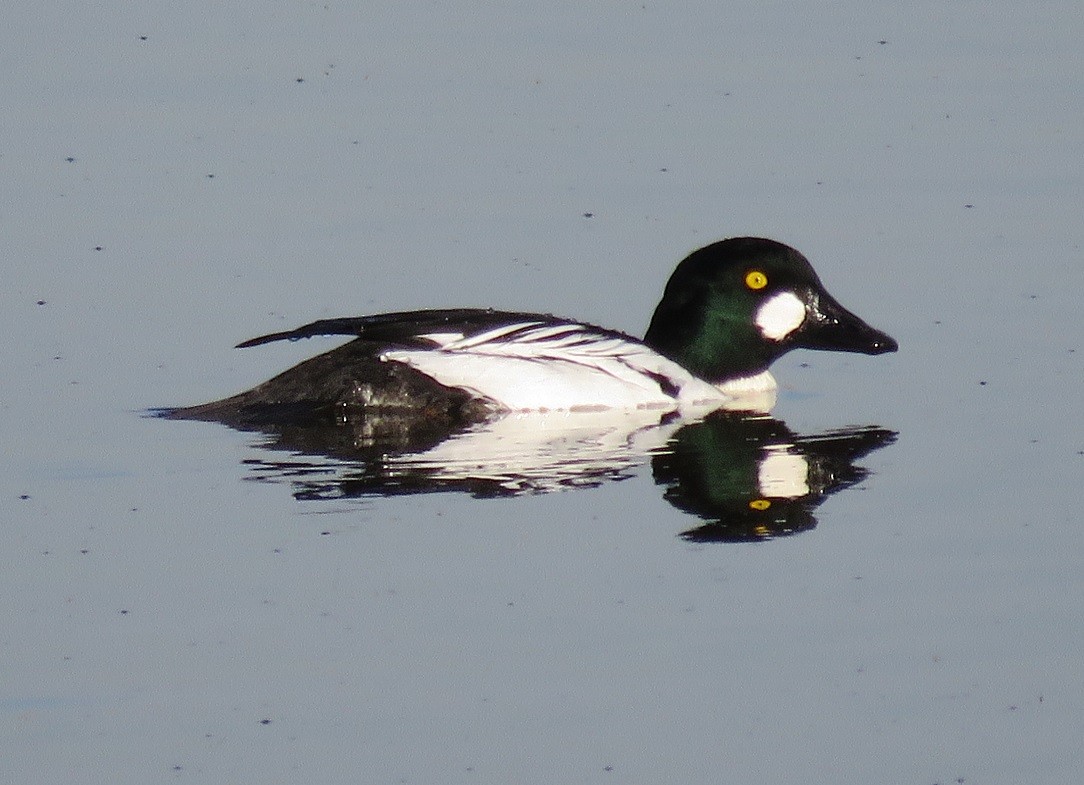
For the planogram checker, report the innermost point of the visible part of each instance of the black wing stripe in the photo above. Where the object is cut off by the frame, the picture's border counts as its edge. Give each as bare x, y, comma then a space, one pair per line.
347, 326
406, 326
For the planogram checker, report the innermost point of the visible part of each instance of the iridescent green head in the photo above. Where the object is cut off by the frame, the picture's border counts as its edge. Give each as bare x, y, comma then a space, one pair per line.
733, 307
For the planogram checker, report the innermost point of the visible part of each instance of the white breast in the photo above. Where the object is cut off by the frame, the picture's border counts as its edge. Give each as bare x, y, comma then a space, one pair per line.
527, 367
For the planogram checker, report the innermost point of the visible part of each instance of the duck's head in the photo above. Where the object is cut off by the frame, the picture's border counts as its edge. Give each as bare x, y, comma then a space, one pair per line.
733, 307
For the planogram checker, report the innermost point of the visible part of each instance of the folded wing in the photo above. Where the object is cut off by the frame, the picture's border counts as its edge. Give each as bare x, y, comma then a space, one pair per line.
533, 365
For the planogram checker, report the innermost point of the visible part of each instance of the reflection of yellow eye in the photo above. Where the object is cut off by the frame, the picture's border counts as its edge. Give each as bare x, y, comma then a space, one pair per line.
759, 504
755, 279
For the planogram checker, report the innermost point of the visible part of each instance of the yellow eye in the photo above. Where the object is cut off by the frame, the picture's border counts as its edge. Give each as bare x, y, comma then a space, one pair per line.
759, 504
755, 279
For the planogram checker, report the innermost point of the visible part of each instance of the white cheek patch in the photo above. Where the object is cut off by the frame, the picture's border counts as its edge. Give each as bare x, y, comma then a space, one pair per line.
780, 316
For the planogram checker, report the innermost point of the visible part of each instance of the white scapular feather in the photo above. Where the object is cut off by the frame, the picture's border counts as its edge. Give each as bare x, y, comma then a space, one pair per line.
440, 339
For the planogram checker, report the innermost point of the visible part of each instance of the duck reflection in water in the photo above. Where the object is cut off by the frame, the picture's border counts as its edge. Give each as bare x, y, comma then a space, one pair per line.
746, 476
752, 478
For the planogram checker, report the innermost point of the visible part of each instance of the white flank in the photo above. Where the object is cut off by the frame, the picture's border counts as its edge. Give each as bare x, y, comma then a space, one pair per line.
780, 316
567, 367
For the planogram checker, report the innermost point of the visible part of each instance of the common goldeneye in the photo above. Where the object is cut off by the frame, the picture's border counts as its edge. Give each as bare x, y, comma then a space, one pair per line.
728, 311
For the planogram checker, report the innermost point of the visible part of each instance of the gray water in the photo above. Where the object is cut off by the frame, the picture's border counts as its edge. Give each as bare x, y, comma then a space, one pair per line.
179, 179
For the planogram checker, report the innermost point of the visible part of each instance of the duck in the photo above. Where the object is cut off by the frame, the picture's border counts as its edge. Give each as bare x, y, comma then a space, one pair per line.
728, 311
